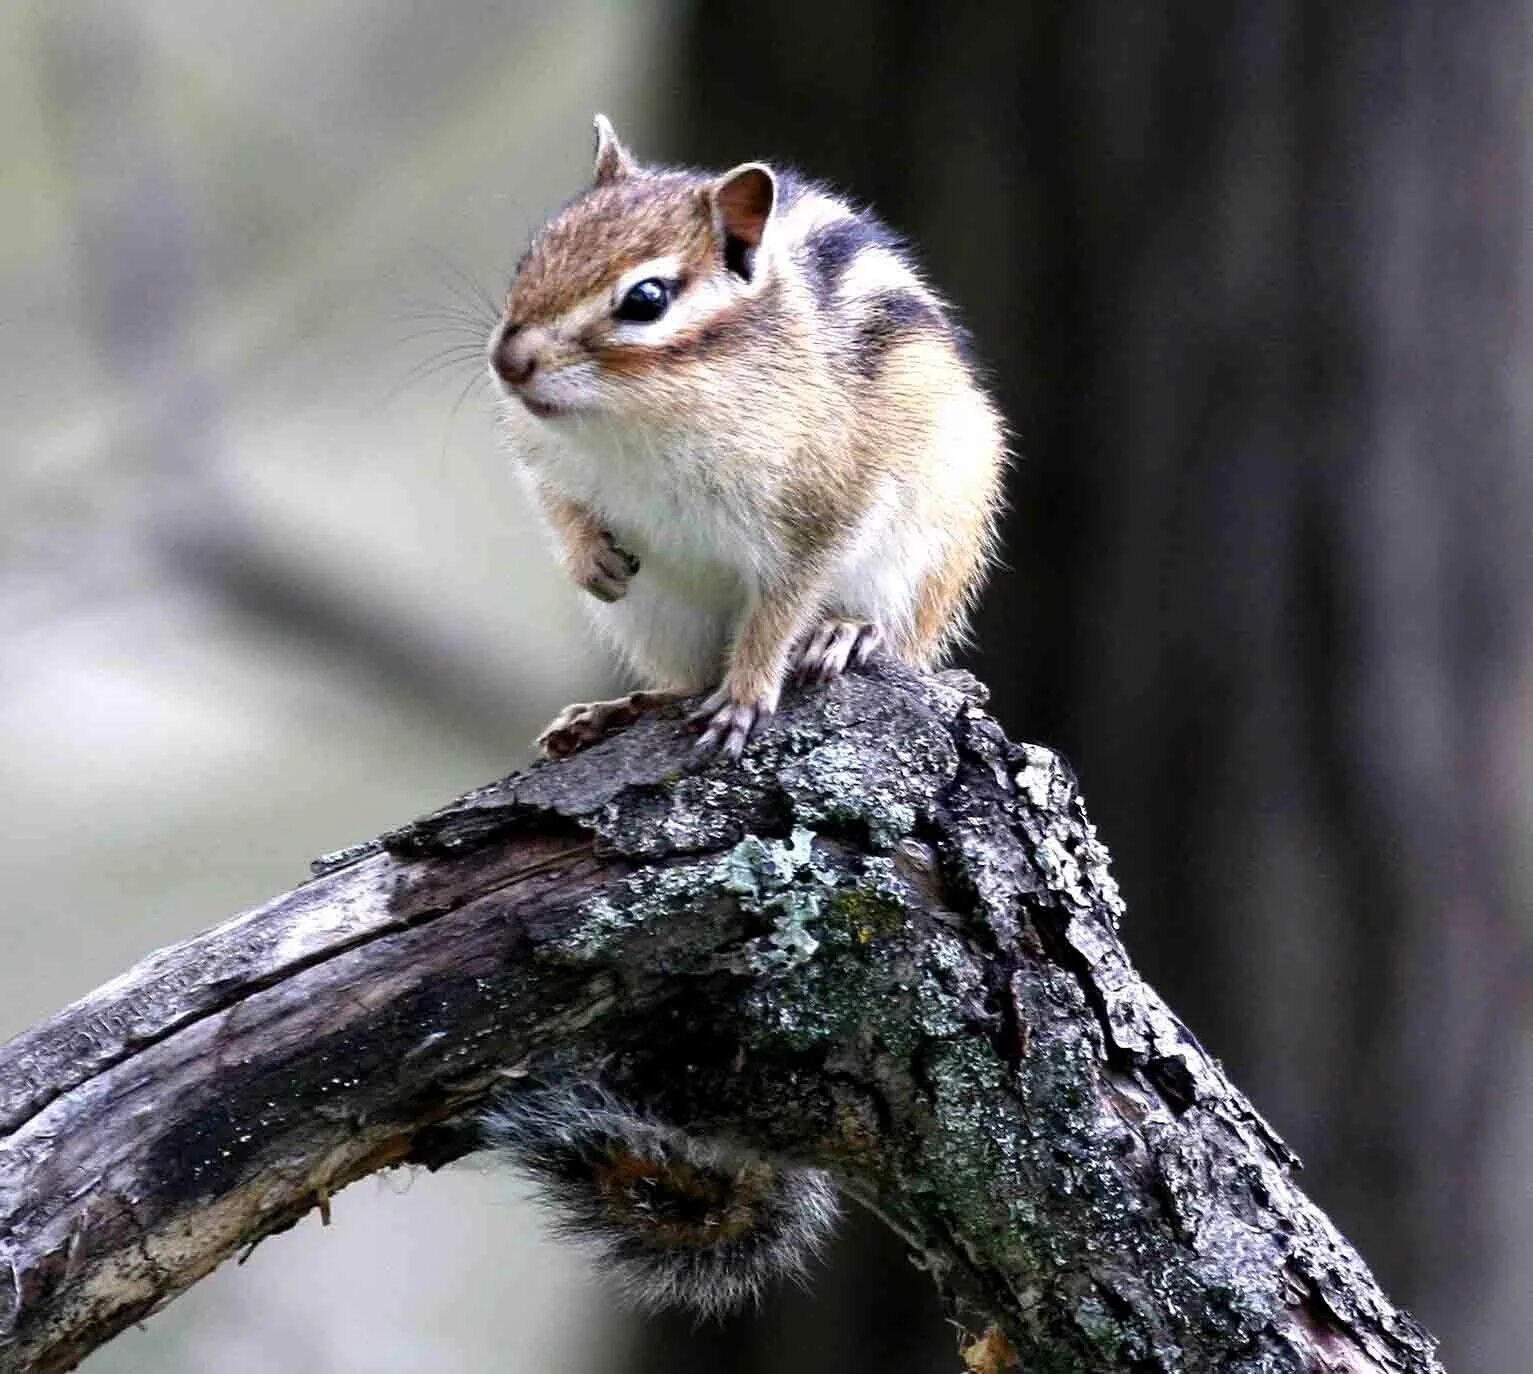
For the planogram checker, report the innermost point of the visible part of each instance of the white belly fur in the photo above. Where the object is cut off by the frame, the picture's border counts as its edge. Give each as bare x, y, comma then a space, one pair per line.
698, 546
703, 546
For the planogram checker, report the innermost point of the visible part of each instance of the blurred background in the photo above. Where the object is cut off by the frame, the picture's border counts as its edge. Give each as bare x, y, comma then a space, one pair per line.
1255, 286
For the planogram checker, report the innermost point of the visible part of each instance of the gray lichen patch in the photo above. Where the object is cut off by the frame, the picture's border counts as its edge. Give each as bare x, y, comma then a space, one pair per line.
846, 777
828, 787
765, 875
684, 813
756, 868
780, 881
951, 990
863, 983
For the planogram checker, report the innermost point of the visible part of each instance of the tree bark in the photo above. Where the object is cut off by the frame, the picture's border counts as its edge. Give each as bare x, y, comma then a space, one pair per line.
884, 944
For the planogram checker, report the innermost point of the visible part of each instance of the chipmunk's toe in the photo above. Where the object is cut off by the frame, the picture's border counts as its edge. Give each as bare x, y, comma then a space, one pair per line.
834, 646
727, 725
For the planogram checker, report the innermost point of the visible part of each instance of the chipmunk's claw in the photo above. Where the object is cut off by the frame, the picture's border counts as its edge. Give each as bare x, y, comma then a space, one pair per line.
833, 647
727, 725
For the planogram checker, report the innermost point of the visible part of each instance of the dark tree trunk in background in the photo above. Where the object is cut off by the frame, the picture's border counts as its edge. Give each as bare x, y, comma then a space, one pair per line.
1256, 286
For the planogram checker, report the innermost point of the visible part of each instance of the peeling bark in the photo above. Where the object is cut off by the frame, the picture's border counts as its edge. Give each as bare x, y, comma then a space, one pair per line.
884, 943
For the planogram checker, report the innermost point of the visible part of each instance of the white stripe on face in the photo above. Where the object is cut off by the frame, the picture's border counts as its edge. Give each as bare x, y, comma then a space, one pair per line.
698, 301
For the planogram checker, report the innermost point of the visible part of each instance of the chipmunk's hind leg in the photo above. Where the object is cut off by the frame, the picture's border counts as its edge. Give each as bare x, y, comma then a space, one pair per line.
833, 646
588, 721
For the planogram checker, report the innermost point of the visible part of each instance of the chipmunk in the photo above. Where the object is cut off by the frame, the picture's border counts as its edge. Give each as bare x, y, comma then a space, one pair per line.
756, 438
754, 434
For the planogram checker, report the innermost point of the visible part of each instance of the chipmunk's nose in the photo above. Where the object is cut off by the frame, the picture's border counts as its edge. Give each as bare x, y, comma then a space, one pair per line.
514, 356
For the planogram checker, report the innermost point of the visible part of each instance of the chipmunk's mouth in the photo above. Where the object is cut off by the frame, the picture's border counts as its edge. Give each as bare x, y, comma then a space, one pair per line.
544, 410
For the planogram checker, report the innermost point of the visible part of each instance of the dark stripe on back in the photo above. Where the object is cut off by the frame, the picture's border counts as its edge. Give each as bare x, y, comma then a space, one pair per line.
830, 251
890, 318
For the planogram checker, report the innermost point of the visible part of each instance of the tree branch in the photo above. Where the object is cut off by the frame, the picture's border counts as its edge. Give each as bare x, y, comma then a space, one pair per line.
885, 943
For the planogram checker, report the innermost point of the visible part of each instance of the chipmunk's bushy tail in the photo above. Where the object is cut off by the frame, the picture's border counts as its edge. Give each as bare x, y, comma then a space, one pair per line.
680, 1222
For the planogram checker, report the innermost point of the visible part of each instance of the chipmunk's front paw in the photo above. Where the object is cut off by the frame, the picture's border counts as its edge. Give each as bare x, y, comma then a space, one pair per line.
604, 569
833, 647
728, 724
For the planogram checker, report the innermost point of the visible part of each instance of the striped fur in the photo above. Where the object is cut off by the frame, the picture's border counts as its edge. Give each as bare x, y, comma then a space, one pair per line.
799, 441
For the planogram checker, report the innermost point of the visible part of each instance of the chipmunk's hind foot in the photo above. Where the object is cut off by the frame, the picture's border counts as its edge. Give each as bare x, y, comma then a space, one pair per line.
586, 722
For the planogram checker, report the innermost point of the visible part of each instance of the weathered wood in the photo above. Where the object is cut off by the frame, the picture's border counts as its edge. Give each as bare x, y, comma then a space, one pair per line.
885, 943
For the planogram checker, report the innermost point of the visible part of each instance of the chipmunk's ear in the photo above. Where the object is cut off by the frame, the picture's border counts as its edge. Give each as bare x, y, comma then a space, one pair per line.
743, 201
613, 161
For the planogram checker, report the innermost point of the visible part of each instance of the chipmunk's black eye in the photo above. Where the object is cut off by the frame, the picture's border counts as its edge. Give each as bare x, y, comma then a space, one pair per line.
645, 301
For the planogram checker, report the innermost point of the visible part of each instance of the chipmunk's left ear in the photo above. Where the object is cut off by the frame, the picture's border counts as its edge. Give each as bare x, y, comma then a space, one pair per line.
613, 161
743, 201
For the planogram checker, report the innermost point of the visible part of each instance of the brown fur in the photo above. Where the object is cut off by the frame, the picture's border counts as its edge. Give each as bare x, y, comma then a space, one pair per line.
611, 229
580, 534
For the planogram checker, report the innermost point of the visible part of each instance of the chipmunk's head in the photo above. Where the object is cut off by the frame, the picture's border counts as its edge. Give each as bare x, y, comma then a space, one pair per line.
643, 294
